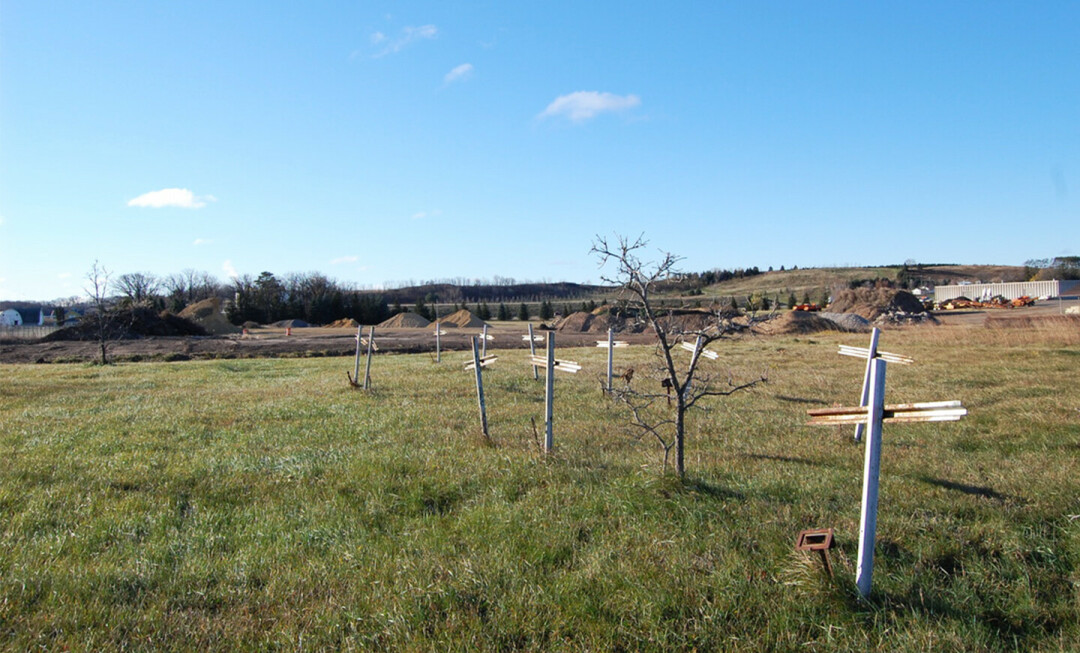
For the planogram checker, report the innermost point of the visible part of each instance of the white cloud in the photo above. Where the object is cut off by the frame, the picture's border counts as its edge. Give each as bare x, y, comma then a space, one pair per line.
64, 275
459, 73
230, 271
344, 259
408, 36
582, 105
202, 241
176, 197
420, 215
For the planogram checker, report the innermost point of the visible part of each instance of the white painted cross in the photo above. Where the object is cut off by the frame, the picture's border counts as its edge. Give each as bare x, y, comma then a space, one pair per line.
438, 344
874, 414
550, 364
868, 354
610, 344
532, 340
692, 348
478, 364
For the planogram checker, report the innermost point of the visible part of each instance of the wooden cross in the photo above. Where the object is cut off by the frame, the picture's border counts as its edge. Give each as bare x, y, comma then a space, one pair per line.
611, 344
478, 364
692, 348
550, 364
438, 342
873, 415
484, 337
532, 340
869, 354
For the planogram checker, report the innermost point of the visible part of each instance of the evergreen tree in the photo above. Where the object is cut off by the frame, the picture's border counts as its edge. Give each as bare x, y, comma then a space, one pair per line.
503, 313
523, 312
791, 300
546, 311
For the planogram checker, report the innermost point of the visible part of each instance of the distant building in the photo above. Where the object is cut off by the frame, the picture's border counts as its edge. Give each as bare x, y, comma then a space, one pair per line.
1010, 290
11, 317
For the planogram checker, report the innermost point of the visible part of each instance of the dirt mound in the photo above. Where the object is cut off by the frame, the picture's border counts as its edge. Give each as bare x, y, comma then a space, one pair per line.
849, 322
406, 320
463, 319
208, 315
344, 323
577, 322
872, 303
796, 322
252, 325
292, 324
128, 324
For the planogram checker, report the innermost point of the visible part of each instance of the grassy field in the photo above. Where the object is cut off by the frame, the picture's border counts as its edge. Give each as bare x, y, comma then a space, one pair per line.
265, 505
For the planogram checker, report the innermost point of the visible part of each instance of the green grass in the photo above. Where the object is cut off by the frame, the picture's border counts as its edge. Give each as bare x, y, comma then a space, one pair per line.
264, 504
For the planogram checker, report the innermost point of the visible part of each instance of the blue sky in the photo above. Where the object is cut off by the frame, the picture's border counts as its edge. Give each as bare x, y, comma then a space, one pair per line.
387, 141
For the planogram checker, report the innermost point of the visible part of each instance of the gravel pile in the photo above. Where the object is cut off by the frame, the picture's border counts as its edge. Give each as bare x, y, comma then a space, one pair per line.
851, 322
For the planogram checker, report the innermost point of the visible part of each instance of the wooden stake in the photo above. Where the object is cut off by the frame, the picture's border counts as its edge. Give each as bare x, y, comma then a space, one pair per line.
532, 351
610, 356
864, 569
438, 355
356, 367
480, 389
864, 396
549, 394
483, 347
367, 371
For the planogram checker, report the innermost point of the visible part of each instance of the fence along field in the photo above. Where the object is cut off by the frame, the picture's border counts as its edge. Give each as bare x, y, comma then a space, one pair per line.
266, 504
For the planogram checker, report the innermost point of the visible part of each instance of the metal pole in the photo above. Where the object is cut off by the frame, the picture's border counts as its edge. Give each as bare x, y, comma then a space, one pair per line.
356, 367
610, 356
480, 389
865, 394
483, 347
438, 354
864, 569
532, 352
549, 394
370, 345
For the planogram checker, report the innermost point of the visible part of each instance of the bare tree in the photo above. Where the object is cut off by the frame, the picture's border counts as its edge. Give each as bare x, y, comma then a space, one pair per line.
97, 287
662, 415
136, 286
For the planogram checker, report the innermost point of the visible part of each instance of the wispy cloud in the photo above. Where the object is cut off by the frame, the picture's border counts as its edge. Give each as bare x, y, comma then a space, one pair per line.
202, 241
230, 271
344, 259
174, 197
420, 215
458, 74
407, 37
64, 275
582, 105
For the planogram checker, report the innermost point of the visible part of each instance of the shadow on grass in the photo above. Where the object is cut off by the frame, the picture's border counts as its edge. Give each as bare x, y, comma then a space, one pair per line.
976, 490
783, 459
711, 490
802, 400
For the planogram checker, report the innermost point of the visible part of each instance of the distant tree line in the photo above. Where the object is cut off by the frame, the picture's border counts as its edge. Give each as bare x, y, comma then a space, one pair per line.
1065, 268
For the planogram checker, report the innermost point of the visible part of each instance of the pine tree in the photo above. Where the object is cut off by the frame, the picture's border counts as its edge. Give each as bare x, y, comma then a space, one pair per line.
523, 312
503, 313
546, 311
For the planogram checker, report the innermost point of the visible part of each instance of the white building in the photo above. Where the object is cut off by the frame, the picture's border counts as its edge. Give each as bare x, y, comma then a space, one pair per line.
1011, 290
10, 317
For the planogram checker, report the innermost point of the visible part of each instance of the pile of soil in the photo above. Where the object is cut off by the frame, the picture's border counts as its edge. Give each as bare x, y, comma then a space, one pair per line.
464, 319
407, 320
290, 324
873, 303
128, 324
209, 316
849, 322
252, 325
689, 320
796, 322
344, 323
577, 322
